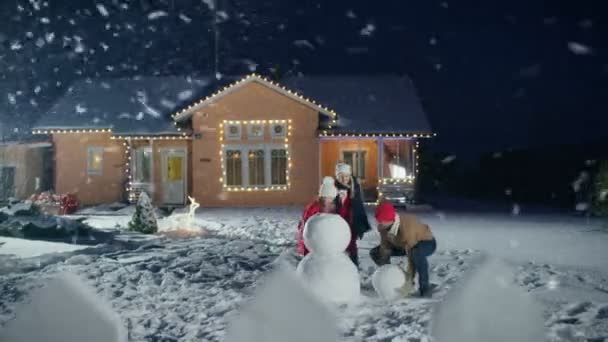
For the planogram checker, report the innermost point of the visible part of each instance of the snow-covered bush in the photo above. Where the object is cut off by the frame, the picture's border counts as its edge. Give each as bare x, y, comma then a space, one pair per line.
600, 205
144, 220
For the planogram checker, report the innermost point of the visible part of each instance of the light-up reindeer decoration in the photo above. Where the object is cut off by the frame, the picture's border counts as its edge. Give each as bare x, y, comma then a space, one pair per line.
184, 220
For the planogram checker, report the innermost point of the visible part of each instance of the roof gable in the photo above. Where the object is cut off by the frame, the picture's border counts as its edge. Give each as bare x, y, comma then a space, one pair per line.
187, 112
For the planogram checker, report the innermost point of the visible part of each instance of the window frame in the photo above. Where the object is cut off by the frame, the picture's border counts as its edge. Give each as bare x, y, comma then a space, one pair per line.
237, 136
274, 135
91, 171
134, 169
244, 150
250, 135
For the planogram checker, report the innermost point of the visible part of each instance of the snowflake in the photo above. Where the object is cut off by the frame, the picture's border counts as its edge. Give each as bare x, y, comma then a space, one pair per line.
45, 20
185, 18
579, 49
35, 4
16, 45
222, 16
186, 94
350, 14
139, 116
37, 89
433, 41
448, 159
109, 68
102, 10
368, 30
304, 43
12, 99
444, 4
157, 14
40, 42
80, 109
168, 104
49, 37
79, 47
33, 102
210, 4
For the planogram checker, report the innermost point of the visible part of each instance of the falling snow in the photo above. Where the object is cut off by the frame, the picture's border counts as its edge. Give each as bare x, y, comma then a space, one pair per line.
303, 43
12, 99
185, 18
49, 37
45, 20
368, 30
16, 45
184, 95
350, 14
579, 49
448, 159
157, 14
102, 10
80, 109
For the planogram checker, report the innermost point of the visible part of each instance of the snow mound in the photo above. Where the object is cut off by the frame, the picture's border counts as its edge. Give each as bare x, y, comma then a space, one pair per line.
65, 311
271, 317
390, 283
489, 307
333, 278
326, 234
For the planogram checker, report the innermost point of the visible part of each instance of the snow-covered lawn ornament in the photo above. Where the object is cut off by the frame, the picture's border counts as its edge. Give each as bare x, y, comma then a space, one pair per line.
182, 224
144, 220
391, 282
327, 271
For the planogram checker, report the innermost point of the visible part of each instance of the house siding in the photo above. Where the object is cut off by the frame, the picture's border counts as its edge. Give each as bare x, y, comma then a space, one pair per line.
254, 101
71, 167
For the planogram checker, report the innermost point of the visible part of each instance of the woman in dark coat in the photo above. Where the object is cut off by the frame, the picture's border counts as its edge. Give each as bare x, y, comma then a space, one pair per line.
349, 205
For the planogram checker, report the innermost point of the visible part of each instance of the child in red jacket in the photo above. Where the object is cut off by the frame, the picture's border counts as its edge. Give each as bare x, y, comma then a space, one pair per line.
324, 203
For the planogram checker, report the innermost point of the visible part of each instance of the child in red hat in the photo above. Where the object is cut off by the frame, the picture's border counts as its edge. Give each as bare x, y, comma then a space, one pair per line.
402, 234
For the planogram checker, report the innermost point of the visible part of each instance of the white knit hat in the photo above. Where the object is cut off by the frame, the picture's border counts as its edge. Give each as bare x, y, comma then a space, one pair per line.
328, 188
343, 168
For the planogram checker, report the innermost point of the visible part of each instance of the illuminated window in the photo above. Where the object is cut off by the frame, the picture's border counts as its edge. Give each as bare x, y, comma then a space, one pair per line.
278, 166
255, 165
256, 168
94, 160
233, 168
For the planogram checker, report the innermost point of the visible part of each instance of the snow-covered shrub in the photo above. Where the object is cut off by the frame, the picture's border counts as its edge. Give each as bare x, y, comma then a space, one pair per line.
144, 220
600, 205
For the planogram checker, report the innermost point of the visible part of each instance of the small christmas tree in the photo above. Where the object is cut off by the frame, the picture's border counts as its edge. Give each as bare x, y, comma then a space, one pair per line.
600, 205
144, 220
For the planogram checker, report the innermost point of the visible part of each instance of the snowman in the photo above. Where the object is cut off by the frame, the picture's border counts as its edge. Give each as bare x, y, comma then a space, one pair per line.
327, 271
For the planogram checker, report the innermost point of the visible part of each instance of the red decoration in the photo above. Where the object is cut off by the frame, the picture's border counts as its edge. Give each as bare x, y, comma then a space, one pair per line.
69, 204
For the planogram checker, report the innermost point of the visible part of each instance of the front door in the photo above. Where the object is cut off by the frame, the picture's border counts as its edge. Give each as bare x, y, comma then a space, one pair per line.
174, 176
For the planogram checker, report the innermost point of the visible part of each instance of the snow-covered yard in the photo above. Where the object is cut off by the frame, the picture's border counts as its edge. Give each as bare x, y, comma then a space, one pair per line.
188, 289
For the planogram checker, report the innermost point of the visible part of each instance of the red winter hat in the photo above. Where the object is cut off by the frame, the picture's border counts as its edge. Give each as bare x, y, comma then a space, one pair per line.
385, 212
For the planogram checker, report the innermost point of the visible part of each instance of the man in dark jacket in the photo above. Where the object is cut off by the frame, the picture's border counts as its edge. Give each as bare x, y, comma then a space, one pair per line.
349, 205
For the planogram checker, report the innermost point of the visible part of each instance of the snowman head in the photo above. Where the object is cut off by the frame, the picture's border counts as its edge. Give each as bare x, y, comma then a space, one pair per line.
326, 234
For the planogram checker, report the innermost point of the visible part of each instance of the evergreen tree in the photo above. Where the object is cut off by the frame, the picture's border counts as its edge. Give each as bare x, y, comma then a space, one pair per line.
144, 220
601, 191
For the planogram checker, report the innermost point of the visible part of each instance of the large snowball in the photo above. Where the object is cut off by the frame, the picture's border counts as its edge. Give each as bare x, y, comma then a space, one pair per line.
326, 233
332, 278
390, 283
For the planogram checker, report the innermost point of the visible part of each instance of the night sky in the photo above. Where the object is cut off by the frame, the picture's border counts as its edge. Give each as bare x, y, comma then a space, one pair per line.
491, 74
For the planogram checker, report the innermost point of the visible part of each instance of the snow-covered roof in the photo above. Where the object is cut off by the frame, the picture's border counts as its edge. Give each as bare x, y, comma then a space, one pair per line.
141, 105
367, 104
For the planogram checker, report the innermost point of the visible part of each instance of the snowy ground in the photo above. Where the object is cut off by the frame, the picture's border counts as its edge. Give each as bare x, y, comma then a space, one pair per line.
186, 290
